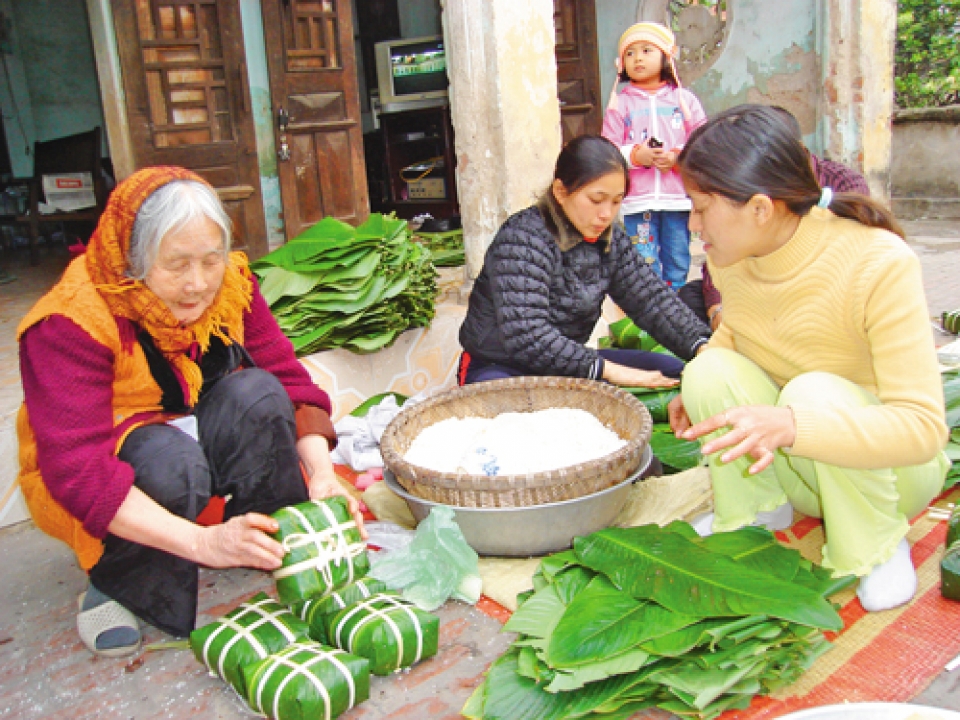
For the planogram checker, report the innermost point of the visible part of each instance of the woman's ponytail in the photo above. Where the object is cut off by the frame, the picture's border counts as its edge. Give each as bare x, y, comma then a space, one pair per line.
865, 211
755, 150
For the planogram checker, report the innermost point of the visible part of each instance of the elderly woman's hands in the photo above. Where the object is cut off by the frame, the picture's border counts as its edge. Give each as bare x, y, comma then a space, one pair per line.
240, 542
755, 430
315, 454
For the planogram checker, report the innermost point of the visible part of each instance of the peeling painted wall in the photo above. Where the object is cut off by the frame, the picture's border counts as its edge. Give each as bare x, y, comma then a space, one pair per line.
770, 58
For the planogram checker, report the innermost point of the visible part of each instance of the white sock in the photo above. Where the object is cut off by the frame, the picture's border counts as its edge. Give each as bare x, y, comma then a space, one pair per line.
891, 584
703, 524
779, 519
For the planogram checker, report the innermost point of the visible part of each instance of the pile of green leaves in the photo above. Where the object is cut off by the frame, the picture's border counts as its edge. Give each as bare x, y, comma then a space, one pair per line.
358, 288
927, 69
446, 248
633, 618
951, 393
675, 453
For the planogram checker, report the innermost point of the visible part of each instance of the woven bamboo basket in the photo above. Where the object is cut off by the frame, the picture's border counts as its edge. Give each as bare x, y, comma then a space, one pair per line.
615, 408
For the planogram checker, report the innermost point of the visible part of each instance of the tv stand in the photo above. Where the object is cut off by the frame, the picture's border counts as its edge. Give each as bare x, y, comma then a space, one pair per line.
421, 137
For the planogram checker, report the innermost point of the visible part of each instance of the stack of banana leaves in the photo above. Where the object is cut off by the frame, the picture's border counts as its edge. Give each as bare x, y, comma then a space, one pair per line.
358, 288
951, 393
446, 248
634, 618
675, 454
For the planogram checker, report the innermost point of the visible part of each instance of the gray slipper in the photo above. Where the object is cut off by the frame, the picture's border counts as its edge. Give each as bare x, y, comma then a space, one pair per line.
110, 615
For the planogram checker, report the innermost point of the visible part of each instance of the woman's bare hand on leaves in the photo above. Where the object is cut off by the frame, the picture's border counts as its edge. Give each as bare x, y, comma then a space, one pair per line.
241, 541
624, 376
757, 431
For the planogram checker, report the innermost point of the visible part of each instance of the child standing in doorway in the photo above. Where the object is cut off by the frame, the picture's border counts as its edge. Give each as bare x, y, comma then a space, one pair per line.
650, 120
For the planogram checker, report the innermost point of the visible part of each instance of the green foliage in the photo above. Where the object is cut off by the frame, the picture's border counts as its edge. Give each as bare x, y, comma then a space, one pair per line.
635, 618
928, 53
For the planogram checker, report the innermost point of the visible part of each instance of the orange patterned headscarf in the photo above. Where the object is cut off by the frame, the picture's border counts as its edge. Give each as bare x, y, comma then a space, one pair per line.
107, 264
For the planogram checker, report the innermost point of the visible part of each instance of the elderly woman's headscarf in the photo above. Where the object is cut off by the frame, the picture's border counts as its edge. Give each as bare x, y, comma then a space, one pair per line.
107, 263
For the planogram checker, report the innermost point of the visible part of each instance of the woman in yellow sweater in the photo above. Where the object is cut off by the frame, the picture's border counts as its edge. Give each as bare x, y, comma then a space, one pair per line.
820, 390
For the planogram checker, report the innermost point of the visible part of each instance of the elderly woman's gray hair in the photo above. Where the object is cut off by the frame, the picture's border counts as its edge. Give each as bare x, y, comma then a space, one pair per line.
168, 209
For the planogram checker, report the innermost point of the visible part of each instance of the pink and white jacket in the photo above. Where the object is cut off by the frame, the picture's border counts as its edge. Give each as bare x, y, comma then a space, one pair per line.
639, 115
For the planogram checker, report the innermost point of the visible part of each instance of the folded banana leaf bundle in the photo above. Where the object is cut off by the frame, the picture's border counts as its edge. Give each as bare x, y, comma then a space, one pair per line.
306, 681
646, 617
324, 549
339, 286
250, 632
446, 248
392, 633
315, 612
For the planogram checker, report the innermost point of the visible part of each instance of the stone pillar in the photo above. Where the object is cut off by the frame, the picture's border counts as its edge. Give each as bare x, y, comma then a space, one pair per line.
857, 39
506, 115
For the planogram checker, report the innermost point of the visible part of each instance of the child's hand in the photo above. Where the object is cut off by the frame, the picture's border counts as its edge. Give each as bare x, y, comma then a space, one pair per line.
664, 160
642, 155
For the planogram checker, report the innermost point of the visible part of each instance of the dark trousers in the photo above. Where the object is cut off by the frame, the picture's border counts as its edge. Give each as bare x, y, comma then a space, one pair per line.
480, 371
247, 452
692, 296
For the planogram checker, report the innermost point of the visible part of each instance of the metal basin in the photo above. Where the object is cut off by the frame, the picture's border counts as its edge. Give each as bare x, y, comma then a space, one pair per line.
533, 530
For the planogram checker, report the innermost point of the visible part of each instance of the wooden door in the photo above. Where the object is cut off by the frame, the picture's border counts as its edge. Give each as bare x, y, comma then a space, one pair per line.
313, 83
188, 103
578, 69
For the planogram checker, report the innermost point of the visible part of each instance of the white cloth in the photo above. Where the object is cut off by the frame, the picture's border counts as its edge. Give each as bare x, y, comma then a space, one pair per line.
359, 438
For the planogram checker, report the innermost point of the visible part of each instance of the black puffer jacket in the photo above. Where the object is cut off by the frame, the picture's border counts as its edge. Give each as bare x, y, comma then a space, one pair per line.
540, 292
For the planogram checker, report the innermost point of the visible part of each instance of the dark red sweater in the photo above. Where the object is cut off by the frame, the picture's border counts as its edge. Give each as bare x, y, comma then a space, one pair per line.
68, 390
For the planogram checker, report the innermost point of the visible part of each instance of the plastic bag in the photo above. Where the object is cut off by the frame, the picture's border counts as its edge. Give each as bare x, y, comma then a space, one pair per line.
436, 565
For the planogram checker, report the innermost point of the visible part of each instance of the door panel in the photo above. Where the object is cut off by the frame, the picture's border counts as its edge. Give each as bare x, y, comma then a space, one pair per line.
313, 83
578, 71
188, 103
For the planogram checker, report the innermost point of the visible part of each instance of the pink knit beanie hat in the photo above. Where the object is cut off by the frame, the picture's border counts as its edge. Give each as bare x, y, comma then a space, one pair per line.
662, 38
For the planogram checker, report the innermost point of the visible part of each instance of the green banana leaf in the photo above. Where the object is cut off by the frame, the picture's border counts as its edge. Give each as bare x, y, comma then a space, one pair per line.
757, 548
356, 288
363, 408
675, 453
655, 400
626, 662
628, 336
602, 620
688, 579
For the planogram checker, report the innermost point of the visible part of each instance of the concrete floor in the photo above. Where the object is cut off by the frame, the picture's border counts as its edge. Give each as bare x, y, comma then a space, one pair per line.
46, 673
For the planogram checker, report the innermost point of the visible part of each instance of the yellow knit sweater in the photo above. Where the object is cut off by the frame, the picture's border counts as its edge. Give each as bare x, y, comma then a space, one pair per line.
848, 300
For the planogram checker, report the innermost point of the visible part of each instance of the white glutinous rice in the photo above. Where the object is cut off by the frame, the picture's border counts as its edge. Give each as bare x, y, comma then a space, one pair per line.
513, 443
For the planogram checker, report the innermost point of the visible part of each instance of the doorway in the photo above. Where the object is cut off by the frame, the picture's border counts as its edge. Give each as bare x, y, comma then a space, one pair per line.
188, 100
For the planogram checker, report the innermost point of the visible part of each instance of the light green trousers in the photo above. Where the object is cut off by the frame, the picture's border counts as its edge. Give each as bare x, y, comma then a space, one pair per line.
864, 512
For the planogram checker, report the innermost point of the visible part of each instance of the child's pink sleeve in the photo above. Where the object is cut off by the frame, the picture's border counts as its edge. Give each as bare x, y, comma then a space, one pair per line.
614, 131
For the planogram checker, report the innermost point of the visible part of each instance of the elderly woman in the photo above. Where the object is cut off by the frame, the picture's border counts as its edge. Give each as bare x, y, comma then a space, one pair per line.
154, 377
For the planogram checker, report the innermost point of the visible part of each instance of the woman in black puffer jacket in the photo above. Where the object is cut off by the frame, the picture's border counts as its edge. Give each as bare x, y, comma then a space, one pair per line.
545, 276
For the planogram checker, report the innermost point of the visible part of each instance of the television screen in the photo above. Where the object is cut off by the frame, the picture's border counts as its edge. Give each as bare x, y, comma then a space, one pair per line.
418, 68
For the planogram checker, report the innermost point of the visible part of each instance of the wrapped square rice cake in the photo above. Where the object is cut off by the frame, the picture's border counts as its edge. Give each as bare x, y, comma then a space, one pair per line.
391, 632
324, 549
307, 681
250, 632
314, 612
